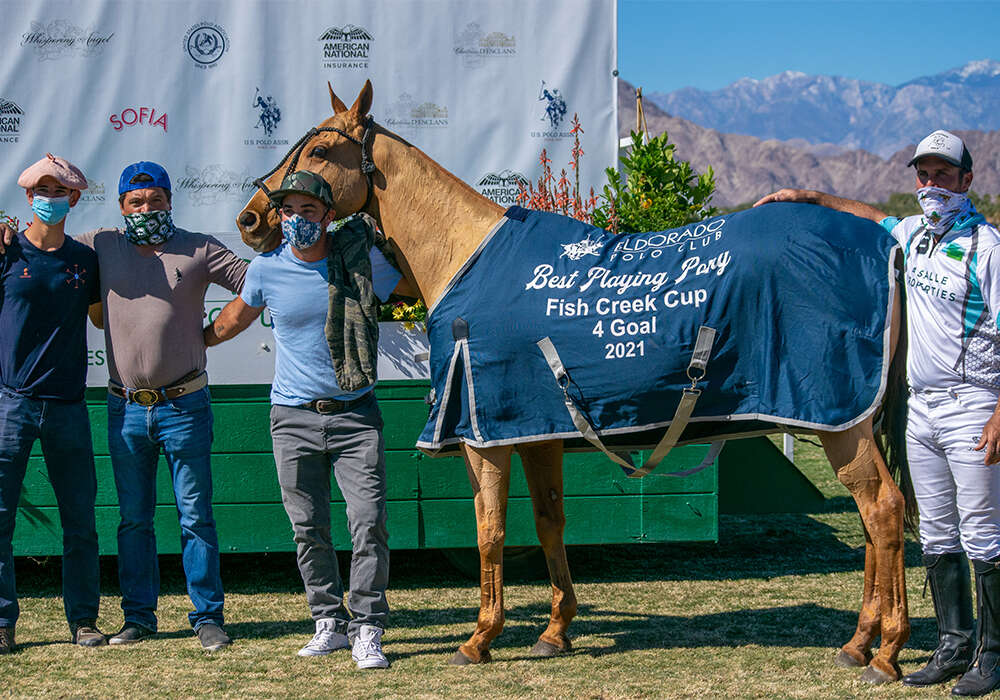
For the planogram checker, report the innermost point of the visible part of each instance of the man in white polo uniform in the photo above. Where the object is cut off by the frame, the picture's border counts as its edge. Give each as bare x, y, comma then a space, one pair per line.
952, 262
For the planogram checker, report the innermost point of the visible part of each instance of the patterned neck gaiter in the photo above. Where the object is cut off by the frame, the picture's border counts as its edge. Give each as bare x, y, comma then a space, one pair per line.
942, 208
149, 228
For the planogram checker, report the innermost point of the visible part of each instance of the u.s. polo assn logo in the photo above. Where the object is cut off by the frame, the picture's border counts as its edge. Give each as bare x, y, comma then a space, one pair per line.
346, 47
268, 115
552, 110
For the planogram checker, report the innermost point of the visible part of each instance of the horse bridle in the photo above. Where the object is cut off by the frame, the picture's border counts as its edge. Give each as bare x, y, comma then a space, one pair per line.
367, 164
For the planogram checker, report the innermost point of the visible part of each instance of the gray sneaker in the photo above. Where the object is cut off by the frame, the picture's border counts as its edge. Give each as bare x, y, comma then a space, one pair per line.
130, 633
367, 648
326, 639
86, 634
212, 637
7, 644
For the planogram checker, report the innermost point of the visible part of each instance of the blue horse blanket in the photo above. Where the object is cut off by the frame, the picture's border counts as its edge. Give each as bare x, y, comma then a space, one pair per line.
799, 295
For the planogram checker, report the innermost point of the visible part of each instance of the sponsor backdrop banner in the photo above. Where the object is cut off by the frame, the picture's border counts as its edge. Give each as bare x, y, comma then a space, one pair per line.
217, 91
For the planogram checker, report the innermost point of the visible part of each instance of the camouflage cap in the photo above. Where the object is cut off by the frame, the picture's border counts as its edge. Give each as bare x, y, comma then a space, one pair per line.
304, 182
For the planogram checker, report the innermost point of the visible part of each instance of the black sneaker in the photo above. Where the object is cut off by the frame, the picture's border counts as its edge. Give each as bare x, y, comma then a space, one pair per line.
131, 633
7, 644
86, 634
212, 637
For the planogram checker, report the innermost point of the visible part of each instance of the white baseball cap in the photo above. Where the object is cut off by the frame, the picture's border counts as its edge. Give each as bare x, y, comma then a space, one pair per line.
946, 146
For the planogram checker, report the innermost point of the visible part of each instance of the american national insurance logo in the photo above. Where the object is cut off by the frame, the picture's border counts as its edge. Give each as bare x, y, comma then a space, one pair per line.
346, 47
10, 120
502, 187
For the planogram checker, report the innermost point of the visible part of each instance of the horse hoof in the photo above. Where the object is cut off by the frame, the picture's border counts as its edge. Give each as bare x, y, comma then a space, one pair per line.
460, 659
845, 660
875, 676
543, 648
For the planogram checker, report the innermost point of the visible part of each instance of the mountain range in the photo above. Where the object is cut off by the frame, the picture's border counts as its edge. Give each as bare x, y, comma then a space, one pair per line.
747, 167
836, 112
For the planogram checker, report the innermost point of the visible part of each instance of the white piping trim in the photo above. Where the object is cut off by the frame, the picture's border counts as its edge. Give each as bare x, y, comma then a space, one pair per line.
465, 266
473, 418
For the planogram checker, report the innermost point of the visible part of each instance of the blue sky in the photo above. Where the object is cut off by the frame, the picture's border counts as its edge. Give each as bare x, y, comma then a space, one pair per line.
664, 45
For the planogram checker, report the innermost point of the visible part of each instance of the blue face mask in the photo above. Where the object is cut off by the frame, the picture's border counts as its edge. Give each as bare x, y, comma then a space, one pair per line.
301, 233
50, 210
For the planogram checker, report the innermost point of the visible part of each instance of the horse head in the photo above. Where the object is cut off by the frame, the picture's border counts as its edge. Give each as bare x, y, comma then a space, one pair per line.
338, 150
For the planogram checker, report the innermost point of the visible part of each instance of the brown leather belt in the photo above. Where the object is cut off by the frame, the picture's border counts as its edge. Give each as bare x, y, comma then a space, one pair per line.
326, 406
151, 397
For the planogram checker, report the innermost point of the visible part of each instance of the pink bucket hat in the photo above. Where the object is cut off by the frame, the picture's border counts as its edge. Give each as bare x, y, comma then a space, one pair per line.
59, 168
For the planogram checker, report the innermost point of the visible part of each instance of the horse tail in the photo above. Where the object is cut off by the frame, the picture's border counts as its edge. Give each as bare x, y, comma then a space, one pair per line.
890, 435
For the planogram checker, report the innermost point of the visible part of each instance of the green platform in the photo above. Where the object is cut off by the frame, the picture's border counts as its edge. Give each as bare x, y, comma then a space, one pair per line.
429, 500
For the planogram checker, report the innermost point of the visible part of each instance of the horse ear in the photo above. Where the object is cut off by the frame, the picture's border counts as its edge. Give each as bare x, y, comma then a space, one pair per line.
364, 101
335, 102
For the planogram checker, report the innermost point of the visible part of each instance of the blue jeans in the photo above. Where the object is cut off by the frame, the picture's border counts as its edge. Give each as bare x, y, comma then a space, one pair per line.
183, 429
64, 430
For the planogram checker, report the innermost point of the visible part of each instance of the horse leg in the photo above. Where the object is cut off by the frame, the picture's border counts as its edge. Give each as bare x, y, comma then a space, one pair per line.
489, 473
543, 471
859, 466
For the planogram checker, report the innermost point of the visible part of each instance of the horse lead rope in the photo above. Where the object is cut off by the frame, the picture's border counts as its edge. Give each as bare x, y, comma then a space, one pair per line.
367, 164
695, 372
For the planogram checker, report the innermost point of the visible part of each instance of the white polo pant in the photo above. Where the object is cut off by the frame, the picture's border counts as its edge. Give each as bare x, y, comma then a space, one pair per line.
957, 495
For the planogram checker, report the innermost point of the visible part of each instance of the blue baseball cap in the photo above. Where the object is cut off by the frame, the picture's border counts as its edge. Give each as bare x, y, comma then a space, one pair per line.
143, 167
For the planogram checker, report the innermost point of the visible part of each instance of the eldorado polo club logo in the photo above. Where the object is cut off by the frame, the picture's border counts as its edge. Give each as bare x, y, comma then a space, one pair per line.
205, 43
10, 121
475, 47
502, 187
60, 38
346, 47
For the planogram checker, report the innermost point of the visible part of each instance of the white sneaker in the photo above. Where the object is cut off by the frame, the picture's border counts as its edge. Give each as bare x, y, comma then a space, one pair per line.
325, 640
367, 649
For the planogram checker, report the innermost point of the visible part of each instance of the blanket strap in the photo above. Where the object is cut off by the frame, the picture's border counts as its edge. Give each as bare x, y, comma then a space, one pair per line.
695, 371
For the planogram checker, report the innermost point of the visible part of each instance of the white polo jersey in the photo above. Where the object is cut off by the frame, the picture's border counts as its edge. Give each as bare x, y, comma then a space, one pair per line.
952, 302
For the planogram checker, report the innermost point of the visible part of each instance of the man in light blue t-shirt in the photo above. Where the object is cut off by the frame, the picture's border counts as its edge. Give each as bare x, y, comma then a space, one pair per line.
316, 426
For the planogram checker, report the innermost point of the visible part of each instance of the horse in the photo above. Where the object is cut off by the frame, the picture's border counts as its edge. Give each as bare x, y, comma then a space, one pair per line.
372, 170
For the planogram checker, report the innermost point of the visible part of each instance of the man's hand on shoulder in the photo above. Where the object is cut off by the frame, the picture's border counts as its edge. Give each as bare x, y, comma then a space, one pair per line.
789, 194
7, 235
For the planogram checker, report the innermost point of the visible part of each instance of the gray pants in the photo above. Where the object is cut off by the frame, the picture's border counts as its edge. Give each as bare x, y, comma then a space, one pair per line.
306, 446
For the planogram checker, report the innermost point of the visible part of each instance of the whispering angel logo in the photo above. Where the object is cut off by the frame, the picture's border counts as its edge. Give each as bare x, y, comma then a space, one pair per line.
575, 251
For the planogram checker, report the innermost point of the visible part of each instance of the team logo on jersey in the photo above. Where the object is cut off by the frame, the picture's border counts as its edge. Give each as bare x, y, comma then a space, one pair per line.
25, 275
551, 112
475, 46
503, 187
10, 120
205, 43
75, 276
60, 38
346, 47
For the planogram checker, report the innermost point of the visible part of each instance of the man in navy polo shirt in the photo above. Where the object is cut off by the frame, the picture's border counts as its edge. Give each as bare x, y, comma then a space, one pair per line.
47, 282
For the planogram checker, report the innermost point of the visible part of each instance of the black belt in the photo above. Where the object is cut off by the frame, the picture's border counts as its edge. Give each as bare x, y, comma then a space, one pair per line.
151, 397
326, 406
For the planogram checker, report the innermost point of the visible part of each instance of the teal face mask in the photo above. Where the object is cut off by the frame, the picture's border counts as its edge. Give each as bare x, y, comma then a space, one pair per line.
50, 210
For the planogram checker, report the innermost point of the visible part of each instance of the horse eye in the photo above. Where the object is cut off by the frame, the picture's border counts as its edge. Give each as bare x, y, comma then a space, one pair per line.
318, 152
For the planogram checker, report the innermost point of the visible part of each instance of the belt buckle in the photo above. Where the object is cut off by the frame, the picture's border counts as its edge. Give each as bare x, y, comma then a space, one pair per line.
325, 407
144, 397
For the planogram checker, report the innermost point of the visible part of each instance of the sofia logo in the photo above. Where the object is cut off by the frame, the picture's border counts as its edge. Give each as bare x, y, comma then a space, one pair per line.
503, 187
131, 116
205, 43
346, 47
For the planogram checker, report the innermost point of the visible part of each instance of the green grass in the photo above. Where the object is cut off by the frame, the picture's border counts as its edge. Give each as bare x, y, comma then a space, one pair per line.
760, 614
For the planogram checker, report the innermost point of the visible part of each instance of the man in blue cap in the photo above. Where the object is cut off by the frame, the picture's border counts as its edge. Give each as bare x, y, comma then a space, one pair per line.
154, 276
